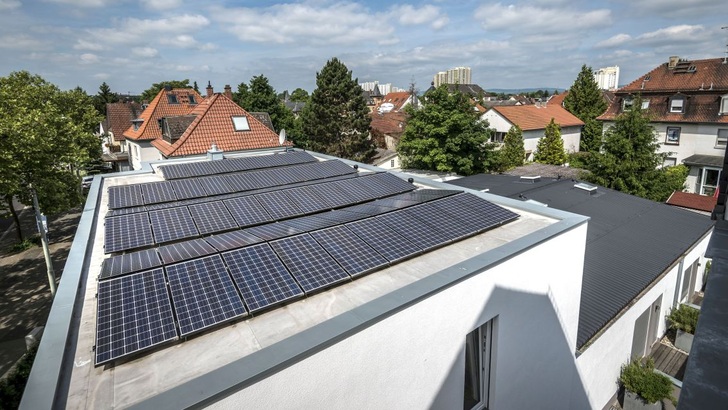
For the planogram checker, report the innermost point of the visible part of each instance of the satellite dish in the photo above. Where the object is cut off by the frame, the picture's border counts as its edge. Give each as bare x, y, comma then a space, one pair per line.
282, 137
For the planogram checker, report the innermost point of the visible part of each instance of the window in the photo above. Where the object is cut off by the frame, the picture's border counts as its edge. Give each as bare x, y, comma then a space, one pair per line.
478, 352
391, 163
137, 123
172, 99
724, 105
708, 181
627, 103
677, 104
669, 162
645, 104
241, 123
672, 136
191, 99
722, 139
497, 137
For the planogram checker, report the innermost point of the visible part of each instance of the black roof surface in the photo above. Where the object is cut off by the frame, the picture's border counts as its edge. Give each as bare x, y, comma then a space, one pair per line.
630, 240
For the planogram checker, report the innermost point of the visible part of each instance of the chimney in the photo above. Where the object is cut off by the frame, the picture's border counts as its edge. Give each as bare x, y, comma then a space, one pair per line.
672, 62
214, 154
228, 91
210, 92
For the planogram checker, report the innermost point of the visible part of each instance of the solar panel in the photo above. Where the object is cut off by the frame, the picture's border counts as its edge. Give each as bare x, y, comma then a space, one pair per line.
183, 251
419, 233
384, 184
129, 262
247, 211
451, 226
354, 190
261, 277
309, 223
278, 204
272, 231
339, 216
232, 240
332, 168
187, 188
424, 195
477, 212
133, 313
203, 294
124, 196
215, 185
212, 217
308, 262
383, 239
172, 224
349, 250
243, 181
155, 192
332, 194
126, 211
307, 199
127, 232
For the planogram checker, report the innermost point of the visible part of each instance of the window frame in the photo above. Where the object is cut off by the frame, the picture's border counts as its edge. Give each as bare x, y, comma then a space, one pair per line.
480, 356
669, 162
172, 99
701, 181
243, 125
676, 139
718, 138
723, 109
673, 108
627, 103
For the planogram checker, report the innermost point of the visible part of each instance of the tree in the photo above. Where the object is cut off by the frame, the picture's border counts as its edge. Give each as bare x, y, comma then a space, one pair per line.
446, 135
260, 96
103, 97
336, 118
550, 148
629, 159
195, 87
151, 92
513, 152
299, 95
46, 135
586, 102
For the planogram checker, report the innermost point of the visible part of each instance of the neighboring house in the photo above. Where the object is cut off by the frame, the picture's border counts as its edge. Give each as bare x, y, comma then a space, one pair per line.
264, 118
387, 128
695, 202
471, 90
119, 116
533, 120
396, 101
642, 259
295, 106
688, 105
559, 99
386, 159
372, 97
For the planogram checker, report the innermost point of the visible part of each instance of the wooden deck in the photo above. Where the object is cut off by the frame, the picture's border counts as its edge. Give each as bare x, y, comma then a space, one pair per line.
669, 360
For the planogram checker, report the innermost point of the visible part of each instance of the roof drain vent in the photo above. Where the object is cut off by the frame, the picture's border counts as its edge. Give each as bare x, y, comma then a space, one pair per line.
591, 189
530, 179
214, 154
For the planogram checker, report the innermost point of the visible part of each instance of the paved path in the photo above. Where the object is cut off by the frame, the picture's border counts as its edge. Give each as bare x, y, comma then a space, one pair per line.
25, 297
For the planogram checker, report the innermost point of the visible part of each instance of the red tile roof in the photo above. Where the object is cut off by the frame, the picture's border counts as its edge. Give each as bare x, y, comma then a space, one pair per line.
119, 116
161, 107
533, 117
692, 201
397, 98
214, 124
390, 123
558, 99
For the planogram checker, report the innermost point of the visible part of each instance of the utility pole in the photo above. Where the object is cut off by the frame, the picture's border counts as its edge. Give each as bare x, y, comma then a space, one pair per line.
42, 229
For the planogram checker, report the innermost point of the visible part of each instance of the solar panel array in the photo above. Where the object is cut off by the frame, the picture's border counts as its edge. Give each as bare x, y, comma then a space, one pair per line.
196, 169
228, 258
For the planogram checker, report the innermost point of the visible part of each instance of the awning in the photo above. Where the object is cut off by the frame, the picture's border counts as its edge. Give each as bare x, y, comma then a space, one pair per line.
704, 161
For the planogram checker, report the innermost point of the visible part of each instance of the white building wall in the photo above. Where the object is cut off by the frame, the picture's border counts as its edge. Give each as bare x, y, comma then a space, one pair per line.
415, 358
599, 365
142, 151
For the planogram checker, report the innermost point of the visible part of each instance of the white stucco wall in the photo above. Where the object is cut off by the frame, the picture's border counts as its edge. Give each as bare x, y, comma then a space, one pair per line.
141, 151
414, 359
600, 363
694, 139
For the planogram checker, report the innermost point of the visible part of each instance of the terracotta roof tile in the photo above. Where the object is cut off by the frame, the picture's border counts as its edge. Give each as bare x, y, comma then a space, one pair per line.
390, 123
119, 116
397, 98
692, 201
214, 124
162, 106
533, 117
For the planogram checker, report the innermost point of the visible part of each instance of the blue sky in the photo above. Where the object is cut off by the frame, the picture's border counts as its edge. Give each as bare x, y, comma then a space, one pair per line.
131, 44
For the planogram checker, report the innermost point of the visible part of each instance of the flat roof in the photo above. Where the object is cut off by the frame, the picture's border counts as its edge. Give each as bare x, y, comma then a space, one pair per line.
256, 344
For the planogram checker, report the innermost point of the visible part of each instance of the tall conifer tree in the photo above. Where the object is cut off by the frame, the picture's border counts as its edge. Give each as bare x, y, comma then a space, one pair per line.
550, 148
586, 102
513, 152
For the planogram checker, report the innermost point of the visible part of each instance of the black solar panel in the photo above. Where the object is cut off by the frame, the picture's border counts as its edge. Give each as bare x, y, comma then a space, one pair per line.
215, 185
419, 233
124, 196
443, 221
155, 192
261, 277
127, 232
383, 239
232, 240
307, 199
183, 251
212, 217
172, 224
384, 184
126, 211
349, 250
332, 195
308, 262
187, 188
129, 262
480, 214
309, 223
272, 231
134, 313
203, 294
339, 216
278, 204
353, 190
247, 211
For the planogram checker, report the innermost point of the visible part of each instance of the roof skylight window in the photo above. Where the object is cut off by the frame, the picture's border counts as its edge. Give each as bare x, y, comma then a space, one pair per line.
240, 123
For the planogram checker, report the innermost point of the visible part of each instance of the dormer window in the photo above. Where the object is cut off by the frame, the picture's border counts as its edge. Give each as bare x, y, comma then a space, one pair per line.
627, 103
172, 99
677, 104
240, 123
137, 123
191, 99
724, 105
645, 104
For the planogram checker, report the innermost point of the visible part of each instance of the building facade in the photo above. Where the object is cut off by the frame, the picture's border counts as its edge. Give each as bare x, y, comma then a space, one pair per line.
456, 75
607, 78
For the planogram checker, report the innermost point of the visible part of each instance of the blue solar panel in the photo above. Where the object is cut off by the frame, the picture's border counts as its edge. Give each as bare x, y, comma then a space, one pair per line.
307, 199
203, 294
480, 214
172, 224
155, 192
183, 251
215, 185
308, 262
261, 277
247, 211
416, 231
278, 204
127, 232
124, 196
129, 262
309, 223
212, 217
273, 231
332, 194
232, 240
349, 250
133, 313
384, 184
384, 239
451, 226
187, 188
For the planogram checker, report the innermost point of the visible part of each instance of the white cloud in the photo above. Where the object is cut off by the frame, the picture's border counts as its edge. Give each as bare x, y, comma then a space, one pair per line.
88, 58
82, 44
102, 76
540, 20
614, 41
84, 3
409, 15
675, 8
186, 41
9, 4
141, 31
681, 33
22, 42
144, 52
161, 4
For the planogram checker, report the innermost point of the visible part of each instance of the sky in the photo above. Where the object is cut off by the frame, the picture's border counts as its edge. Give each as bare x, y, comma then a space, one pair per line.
131, 44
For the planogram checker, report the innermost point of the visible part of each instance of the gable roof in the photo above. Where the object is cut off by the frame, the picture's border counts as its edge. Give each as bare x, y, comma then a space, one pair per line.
162, 107
692, 201
213, 124
533, 117
630, 242
398, 99
388, 123
119, 116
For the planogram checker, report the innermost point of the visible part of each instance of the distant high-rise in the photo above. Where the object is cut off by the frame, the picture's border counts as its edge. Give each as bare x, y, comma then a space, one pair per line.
457, 75
384, 89
607, 78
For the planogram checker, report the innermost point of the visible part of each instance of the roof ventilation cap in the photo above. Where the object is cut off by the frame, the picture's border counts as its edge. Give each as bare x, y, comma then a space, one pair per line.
530, 179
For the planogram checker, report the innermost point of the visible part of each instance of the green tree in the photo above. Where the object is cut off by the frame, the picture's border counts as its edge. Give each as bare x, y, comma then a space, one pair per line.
195, 87
629, 159
336, 118
299, 95
151, 92
550, 148
446, 135
103, 97
586, 102
46, 135
513, 152
260, 96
